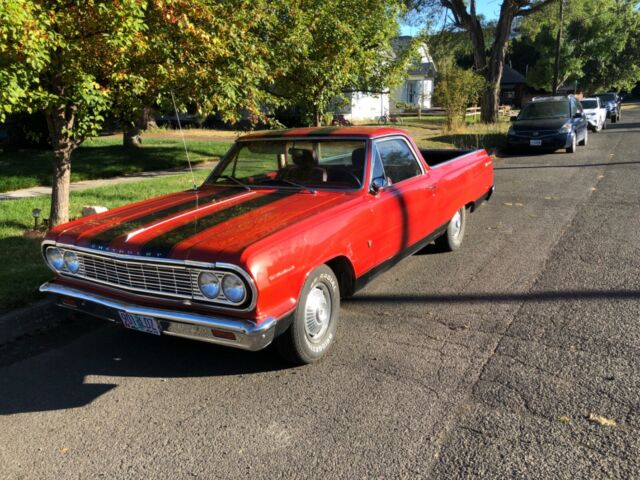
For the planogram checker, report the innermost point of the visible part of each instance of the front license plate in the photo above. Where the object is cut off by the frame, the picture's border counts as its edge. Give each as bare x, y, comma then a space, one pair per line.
535, 143
141, 323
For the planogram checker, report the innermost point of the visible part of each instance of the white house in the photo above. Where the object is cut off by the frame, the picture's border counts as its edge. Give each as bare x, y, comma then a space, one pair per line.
415, 92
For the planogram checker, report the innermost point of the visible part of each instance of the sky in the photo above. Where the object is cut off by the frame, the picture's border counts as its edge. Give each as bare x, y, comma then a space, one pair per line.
489, 8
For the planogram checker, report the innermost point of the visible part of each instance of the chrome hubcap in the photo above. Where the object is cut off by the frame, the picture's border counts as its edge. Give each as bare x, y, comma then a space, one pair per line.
317, 312
456, 224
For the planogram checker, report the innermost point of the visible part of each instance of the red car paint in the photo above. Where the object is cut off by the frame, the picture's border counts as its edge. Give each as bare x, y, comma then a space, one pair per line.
280, 242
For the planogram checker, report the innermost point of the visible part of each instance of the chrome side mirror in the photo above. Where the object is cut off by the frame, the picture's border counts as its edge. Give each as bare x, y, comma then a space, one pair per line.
378, 184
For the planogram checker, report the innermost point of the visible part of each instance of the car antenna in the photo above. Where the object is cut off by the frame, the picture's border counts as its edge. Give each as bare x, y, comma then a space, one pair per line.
184, 143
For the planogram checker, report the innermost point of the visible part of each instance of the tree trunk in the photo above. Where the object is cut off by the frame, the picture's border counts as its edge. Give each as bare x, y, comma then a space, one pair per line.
318, 117
60, 191
492, 67
60, 121
490, 103
131, 136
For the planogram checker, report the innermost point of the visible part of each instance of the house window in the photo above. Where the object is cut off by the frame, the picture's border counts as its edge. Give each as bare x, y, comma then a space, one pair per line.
412, 91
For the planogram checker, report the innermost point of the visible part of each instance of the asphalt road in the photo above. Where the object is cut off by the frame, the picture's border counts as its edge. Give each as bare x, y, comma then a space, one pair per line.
484, 363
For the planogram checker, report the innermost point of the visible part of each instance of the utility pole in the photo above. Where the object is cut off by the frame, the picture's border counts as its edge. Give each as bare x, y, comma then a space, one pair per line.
556, 68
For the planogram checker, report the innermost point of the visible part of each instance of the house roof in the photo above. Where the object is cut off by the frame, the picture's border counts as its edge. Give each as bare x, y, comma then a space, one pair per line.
512, 77
400, 44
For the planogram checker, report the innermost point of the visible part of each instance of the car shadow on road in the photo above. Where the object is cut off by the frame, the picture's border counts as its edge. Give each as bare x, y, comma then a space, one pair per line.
64, 375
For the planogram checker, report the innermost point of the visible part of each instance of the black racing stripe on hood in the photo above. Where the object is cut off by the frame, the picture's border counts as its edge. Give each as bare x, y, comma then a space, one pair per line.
104, 238
163, 244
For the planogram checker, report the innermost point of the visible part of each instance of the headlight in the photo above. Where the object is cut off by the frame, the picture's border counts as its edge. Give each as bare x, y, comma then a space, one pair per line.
54, 257
71, 262
233, 288
566, 128
209, 284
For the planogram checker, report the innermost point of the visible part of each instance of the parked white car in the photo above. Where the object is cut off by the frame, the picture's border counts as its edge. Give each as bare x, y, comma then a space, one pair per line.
595, 112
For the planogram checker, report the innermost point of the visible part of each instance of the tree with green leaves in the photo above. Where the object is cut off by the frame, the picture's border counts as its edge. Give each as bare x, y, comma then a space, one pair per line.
600, 48
78, 47
74, 60
330, 46
488, 57
211, 55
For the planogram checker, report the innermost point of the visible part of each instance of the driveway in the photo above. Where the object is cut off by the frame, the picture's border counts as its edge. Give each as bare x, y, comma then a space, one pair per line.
517, 356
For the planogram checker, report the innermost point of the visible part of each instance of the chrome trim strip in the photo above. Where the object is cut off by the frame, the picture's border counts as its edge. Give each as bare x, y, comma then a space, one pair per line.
249, 336
153, 260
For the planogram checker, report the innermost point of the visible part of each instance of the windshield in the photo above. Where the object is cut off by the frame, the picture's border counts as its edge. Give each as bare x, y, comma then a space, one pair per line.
589, 103
540, 110
607, 97
333, 164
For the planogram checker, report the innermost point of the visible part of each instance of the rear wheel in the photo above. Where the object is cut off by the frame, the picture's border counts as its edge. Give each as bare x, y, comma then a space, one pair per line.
315, 320
451, 240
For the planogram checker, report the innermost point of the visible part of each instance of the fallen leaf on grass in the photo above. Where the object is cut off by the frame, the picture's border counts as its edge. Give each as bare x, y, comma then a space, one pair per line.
564, 419
600, 420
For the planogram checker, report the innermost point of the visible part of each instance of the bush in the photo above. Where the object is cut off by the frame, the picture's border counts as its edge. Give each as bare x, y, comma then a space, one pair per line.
456, 89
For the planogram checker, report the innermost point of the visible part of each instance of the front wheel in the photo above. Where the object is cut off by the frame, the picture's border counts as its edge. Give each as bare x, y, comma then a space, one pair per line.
315, 320
451, 240
572, 148
585, 140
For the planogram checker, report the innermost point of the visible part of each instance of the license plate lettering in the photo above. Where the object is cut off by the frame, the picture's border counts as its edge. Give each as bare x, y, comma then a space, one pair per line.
535, 143
140, 323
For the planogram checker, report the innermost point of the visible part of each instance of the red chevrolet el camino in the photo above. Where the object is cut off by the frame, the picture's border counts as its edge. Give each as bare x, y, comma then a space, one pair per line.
287, 223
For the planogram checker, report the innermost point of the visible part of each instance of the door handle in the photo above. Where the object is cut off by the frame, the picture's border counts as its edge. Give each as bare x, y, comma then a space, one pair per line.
431, 187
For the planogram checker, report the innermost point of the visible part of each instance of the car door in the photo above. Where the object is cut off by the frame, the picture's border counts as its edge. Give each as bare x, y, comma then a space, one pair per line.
403, 206
579, 119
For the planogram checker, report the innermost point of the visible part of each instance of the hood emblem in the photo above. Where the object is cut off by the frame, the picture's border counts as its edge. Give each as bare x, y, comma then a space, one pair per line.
535, 134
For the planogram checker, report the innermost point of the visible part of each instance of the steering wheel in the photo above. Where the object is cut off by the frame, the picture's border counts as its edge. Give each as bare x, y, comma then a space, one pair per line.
344, 173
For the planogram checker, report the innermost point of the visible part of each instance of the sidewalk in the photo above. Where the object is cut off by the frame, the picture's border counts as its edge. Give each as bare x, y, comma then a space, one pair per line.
86, 184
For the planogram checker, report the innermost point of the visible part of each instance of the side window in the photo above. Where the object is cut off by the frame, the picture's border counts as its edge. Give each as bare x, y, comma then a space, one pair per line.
378, 170
398, 160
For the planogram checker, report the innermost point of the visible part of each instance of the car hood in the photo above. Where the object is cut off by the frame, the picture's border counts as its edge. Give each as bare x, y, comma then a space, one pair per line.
542, 124
213, 224
591, 110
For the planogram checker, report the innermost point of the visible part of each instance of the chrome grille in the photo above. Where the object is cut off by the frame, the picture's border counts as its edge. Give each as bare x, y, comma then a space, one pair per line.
147, 277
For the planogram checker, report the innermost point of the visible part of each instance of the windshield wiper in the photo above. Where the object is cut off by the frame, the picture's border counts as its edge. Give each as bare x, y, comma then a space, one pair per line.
236, 181
293, 184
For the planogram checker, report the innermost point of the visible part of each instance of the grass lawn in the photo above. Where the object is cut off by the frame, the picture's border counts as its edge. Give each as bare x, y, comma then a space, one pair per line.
23, 269
105, 157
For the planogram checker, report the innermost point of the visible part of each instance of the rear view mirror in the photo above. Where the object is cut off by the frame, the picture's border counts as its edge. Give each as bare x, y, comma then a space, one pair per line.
378, 184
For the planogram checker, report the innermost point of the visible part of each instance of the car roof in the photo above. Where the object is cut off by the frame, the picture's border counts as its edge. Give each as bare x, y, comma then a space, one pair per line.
552, 98
589, 98
337, 132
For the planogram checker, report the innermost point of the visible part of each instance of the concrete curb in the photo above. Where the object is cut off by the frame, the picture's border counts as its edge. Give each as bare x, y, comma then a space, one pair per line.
28, 320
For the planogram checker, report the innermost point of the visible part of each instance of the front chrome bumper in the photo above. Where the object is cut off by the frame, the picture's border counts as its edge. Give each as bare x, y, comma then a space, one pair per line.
205, 328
